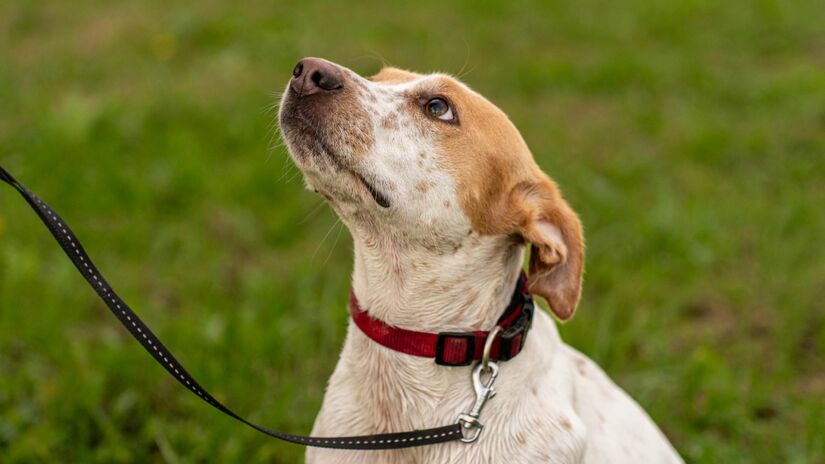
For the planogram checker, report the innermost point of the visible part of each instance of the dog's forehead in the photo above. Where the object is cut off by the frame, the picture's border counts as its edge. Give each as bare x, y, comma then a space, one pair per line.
391, 75
417, 84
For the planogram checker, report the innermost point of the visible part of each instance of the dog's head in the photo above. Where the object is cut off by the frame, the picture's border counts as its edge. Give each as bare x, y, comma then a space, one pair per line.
426, 161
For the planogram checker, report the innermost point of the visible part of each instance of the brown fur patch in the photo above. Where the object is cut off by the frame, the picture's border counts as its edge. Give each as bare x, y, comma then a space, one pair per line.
390, 122
581, 366
392, 75
504, 192
565, 422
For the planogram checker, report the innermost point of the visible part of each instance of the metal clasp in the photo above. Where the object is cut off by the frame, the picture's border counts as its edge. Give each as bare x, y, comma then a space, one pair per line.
471, 426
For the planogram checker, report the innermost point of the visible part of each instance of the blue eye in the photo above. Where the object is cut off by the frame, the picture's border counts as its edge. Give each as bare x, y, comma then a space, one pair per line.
439, 108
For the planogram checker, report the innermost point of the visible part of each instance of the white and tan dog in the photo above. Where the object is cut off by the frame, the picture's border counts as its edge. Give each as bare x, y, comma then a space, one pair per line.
441, 194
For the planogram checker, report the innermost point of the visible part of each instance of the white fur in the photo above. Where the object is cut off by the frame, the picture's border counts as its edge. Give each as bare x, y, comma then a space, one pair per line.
419, 265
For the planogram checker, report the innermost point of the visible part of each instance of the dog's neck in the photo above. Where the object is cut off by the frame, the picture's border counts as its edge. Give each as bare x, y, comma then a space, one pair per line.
465, 287
424, 289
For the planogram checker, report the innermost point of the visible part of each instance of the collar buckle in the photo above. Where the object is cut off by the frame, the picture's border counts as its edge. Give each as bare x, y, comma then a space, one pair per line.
514, 337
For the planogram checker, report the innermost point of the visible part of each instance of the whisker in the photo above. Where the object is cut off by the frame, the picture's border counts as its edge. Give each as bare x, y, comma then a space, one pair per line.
294, 176
334, 243
373, 55
312, 212
318, 248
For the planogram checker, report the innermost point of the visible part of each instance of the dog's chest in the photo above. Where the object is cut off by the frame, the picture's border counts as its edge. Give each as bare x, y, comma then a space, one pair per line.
374, 390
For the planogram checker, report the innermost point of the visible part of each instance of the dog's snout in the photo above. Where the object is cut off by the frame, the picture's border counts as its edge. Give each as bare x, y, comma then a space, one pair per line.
313, 75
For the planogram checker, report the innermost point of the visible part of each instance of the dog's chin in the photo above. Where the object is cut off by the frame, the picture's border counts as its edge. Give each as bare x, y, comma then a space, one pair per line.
319, 161
326, 174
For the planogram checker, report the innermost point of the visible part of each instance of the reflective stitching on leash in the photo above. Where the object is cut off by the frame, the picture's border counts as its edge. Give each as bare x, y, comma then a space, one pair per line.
148, 340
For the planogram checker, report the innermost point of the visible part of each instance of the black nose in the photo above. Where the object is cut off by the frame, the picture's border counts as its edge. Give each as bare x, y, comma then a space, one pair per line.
314, 75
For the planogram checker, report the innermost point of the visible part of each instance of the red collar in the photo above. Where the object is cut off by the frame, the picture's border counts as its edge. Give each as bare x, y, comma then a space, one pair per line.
455, 348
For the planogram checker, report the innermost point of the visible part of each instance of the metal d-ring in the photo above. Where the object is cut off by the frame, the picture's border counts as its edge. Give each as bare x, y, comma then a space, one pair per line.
488, 346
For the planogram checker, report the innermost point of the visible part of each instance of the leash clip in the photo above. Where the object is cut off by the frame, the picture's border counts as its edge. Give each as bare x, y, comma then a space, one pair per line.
471, 426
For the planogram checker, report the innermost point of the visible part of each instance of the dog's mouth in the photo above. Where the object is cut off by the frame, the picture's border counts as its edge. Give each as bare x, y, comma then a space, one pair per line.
376, 195
325, 152
373, 191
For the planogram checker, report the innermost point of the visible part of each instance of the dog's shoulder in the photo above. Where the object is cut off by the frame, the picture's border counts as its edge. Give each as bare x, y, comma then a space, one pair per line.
618, 429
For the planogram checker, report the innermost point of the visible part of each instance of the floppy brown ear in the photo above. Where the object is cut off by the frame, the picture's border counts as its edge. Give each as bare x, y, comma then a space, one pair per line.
554, 232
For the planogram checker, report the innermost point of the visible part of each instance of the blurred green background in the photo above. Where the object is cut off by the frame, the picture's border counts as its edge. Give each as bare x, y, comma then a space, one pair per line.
689, 135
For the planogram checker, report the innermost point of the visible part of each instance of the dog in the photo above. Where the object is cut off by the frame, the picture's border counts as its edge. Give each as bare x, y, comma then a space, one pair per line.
442, 195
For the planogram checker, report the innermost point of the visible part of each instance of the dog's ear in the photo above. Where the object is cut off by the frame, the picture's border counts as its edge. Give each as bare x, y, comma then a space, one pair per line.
554, 232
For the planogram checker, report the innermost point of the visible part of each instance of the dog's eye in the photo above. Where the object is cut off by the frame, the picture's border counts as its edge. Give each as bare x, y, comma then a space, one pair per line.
439, 108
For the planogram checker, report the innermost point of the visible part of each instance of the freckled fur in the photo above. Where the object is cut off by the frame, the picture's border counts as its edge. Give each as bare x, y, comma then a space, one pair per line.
465, 199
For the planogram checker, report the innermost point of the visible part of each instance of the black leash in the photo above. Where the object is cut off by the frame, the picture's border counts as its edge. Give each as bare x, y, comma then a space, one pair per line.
150, 342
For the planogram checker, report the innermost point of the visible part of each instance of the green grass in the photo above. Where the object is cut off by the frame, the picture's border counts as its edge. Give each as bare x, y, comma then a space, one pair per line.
689, 135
